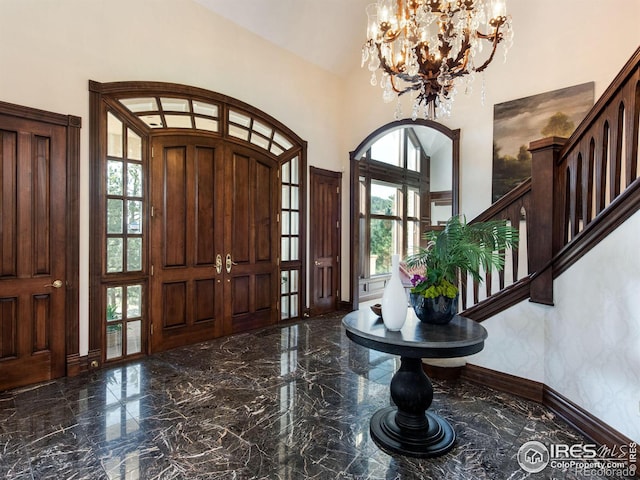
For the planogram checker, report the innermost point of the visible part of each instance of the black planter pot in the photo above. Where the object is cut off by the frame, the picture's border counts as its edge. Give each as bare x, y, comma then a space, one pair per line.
437, 311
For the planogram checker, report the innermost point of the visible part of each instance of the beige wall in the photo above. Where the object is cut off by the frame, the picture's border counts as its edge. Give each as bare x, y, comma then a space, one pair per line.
593, 336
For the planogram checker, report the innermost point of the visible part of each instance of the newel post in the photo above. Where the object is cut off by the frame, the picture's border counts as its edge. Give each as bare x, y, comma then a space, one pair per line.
545, 154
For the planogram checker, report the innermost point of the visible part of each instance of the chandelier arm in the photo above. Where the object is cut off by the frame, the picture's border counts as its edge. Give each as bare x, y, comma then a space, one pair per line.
486, 64
413, 81
463, 66
410, 88
497, 38
393, 86
489, 36
463, 57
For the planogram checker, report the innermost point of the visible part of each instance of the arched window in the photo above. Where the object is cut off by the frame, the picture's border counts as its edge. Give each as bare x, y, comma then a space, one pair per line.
406, 176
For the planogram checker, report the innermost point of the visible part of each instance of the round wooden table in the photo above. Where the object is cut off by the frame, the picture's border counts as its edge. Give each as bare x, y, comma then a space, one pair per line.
408, 428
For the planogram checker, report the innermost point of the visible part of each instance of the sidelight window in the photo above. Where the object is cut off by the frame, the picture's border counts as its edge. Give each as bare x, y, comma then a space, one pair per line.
413, 219
124, 320
290, 239
124, 199
124, 233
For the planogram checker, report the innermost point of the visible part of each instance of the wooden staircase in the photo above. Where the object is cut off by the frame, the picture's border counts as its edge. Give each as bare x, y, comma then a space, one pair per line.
580, 190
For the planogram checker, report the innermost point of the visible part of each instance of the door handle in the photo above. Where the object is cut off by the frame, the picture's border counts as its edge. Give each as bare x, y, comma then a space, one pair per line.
229, 263
219, 264
55, 284
317, 263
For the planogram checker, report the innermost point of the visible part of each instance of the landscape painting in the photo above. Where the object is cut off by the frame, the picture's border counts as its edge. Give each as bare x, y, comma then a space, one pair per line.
518, 122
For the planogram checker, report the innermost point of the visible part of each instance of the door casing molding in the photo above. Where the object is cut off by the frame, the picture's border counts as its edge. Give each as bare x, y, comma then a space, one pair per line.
104, 97
316, 173
72, 125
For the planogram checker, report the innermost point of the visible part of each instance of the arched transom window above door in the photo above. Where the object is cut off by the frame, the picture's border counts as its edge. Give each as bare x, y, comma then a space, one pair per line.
163, 112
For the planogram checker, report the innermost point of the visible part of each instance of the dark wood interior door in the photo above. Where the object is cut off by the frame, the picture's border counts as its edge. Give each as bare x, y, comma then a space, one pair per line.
214, 240
187, 184
32, 251
251, 240
324, 240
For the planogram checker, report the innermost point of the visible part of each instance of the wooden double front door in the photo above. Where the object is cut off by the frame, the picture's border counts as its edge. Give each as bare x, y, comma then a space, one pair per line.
214, 240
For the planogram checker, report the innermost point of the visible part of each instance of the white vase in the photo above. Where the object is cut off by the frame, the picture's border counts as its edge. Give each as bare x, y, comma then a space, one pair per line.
394, 299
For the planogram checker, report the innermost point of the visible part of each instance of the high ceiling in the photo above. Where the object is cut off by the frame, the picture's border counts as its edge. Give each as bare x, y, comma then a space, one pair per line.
328, 33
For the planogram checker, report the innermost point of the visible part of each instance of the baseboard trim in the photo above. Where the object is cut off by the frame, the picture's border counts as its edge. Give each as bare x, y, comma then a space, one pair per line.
590, 426
74, 365
504, 382
77, 364
584, 422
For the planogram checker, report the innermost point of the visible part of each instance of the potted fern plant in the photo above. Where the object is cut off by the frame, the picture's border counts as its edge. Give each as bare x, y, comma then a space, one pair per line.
458, 249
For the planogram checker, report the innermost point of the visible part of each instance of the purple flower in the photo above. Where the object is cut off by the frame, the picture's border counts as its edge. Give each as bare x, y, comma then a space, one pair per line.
416, 279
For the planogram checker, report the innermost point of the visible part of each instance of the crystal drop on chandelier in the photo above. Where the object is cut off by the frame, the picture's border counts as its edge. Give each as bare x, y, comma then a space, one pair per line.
425, 47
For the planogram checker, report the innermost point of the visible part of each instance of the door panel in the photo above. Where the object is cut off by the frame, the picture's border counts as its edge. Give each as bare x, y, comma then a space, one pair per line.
264, 205
174, 312
325, 240
213, 209
174, 227
204, 302
205, 197
186, 236
252, 240
32, 251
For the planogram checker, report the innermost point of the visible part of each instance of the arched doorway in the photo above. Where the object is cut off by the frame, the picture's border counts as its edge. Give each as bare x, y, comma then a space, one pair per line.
190, 192
404, 180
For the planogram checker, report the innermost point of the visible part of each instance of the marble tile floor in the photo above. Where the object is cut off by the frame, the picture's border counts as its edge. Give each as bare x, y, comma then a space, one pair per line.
287, 403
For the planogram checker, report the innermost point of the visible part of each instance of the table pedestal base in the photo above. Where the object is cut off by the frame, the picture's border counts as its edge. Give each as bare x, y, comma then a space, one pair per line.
408, 428
433, 441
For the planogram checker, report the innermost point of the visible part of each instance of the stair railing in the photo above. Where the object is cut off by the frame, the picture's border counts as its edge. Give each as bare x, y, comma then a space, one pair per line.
580, 189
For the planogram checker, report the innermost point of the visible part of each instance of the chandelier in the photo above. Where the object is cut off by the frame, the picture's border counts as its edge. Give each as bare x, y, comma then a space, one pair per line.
428, 47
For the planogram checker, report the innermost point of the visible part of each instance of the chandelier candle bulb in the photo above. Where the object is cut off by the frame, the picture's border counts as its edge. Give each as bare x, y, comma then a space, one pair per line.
499, 9
426, 46
384, 15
